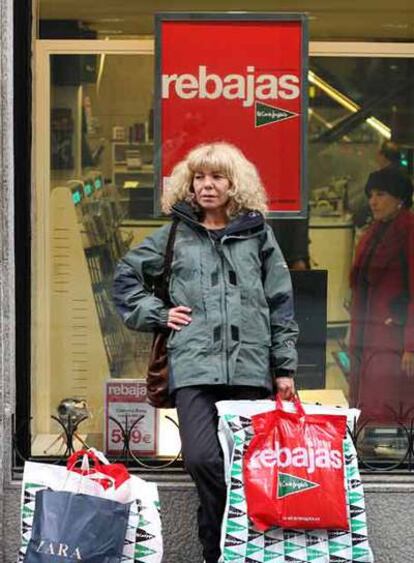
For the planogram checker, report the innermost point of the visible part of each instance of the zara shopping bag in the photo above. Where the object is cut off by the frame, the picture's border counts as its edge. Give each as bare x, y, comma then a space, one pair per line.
76, 527
294, 470
143, 540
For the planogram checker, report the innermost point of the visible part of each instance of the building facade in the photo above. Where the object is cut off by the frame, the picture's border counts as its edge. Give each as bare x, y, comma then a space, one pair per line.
339, 157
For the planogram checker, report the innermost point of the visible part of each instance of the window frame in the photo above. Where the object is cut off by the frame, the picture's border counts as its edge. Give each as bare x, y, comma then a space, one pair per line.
28, 256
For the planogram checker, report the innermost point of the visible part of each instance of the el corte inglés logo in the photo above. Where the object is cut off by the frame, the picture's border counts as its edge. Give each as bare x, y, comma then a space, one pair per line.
266, 114
290, 485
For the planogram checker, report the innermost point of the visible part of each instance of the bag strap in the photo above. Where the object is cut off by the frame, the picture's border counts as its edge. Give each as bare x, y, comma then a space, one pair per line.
162, 290
79, 456
295, 400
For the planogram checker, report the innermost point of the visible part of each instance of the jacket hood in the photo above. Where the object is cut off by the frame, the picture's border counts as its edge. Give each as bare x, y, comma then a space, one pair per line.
247, 223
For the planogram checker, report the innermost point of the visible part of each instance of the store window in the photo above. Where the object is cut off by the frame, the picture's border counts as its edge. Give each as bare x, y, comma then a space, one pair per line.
99, 202
96, 200
349, 121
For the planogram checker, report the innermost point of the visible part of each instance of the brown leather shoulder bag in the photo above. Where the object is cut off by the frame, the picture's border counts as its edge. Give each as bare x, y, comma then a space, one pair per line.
157, 375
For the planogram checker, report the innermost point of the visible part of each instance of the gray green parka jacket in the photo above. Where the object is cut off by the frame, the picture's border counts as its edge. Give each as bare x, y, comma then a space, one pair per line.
239, 289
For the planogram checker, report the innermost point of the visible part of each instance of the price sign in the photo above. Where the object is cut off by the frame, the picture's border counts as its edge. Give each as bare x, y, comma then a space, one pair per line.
125, 403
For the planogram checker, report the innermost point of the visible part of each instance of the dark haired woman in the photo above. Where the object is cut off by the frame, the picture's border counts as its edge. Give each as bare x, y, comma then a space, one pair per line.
382, 311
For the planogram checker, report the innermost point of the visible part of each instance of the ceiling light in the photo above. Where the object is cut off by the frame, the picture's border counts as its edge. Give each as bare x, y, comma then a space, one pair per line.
348, 104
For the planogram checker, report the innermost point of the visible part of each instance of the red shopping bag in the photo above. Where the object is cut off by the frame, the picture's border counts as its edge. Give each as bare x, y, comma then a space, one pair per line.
294, 470
107, 474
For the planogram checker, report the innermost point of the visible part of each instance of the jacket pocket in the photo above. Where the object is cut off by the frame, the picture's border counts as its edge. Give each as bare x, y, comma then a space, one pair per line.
255, 316
195, 336
253, 361
185, 291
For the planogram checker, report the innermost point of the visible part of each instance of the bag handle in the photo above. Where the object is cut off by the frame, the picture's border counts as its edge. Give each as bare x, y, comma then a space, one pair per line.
83, 455
85, 469
97, 472
295, 400
163, 281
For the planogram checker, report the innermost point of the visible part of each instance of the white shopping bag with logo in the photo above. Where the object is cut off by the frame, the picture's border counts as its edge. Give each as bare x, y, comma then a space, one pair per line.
143, 541
241, 541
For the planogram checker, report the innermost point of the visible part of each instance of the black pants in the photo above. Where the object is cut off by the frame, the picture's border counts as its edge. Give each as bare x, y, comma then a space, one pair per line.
203, 458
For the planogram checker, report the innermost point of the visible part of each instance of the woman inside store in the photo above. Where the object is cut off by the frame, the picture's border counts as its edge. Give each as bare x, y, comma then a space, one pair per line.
233, 333
382, 311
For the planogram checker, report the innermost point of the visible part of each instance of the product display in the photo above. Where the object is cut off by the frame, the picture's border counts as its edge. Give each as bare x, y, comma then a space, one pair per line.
241, 541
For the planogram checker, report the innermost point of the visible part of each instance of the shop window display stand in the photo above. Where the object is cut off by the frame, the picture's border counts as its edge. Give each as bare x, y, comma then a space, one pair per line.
70, 433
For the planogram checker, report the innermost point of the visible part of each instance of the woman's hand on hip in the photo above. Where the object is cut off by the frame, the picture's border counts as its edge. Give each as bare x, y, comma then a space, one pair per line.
179, 317
285, 387
407, 363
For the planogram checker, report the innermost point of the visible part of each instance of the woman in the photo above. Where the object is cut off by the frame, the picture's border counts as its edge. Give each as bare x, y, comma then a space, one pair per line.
232, 325
382, 312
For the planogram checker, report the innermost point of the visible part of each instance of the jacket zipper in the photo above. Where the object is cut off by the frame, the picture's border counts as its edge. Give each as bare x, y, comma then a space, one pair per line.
216, 244
219, 249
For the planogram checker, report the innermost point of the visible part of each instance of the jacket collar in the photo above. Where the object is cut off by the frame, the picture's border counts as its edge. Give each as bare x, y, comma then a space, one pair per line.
245, 224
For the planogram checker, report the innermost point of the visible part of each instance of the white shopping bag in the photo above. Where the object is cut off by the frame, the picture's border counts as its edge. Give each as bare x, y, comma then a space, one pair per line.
143, 542
240, 541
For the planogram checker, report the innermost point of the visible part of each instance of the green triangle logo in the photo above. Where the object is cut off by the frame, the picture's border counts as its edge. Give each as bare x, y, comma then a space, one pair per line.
313, 554
142, 551
360, 553
265, 114
33, 486
355, 497
238, 440
290, 485
27, 512
251, 549
235, 498
334, 546
234, 527
236, 469
291, 547
357, 525
230, 555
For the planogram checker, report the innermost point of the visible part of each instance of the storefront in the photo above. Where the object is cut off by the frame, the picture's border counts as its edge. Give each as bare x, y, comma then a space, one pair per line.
89, 194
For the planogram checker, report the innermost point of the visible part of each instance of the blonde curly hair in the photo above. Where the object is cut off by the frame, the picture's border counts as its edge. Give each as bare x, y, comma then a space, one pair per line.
246, 189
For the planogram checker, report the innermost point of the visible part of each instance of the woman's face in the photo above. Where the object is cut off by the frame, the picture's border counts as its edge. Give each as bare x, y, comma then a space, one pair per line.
384, 206
211, 189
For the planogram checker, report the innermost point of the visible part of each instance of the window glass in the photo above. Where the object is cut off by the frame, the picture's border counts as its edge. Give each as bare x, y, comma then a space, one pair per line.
369, 328
100, 203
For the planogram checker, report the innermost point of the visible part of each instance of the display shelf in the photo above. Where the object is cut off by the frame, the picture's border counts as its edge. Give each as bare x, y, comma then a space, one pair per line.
134, 175
120, 150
